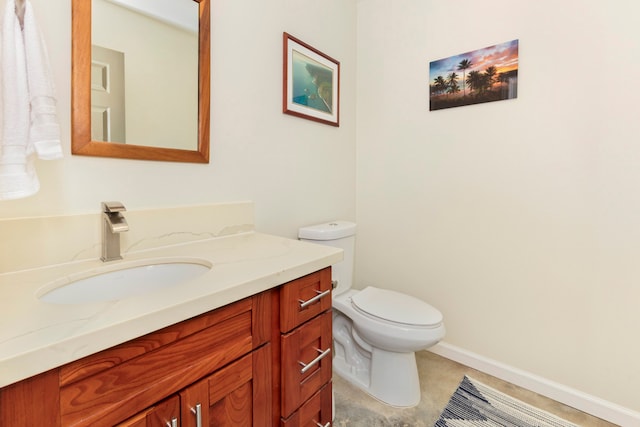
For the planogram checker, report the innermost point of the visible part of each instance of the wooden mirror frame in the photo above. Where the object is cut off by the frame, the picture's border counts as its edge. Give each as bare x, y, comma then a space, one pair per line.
81, 142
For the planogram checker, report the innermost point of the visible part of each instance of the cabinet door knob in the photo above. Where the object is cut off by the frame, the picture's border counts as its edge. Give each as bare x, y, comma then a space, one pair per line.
197, 411
304, 304
307, 366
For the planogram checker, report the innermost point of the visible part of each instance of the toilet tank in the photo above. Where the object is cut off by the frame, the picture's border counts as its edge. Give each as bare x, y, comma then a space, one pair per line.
339, 234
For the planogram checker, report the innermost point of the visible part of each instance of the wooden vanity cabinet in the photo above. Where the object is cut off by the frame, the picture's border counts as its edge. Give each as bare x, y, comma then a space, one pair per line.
240, 365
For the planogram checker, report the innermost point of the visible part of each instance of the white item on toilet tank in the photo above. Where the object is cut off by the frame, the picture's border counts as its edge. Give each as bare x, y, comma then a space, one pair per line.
340, 234
376, 332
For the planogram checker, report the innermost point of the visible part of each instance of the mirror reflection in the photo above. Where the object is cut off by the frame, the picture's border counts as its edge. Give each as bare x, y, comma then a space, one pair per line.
144, 72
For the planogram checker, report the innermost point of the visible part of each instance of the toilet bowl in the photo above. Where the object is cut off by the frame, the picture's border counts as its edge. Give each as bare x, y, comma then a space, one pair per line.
376, 332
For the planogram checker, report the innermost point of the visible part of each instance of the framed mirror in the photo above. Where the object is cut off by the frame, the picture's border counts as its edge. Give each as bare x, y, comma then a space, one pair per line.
139, 123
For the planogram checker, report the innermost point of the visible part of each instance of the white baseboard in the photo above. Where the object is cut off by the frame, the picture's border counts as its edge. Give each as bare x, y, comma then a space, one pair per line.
584, 402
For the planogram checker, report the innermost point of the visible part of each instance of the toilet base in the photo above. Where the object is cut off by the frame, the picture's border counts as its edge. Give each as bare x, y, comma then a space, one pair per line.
391, 377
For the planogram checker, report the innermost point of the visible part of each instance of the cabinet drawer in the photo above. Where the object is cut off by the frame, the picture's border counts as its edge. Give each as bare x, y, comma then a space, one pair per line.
316, 411
306, 362
304, 298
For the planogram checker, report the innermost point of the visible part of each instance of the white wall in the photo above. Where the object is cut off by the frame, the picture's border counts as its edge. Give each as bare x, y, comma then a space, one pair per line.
517, 219
296, 171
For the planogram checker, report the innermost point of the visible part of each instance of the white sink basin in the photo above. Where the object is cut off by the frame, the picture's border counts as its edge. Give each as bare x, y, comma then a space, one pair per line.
118, 281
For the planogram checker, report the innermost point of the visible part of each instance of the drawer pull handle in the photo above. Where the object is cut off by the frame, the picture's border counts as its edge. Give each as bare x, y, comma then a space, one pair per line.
306, 367
304, 304
173, 423
322, 425
197, 411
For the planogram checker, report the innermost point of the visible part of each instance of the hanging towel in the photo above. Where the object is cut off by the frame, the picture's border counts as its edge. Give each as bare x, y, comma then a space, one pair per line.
29, 122
44, 132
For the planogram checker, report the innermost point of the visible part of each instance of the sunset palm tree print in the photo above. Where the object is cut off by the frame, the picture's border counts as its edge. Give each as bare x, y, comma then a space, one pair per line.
489, 74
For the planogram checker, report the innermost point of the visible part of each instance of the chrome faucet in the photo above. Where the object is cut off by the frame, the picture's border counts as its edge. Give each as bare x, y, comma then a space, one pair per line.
113, 223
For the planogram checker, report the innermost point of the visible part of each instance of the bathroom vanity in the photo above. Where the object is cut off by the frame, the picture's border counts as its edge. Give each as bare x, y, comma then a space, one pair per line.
246, 344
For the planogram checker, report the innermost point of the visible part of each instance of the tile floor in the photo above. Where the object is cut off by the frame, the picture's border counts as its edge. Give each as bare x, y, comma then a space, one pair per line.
439, 378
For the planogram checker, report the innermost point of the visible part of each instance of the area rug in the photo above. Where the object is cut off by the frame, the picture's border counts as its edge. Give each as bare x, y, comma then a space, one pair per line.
475, 404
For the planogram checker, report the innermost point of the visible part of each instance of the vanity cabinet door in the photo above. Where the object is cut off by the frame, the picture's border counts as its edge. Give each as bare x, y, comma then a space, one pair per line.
165, 413
238, 395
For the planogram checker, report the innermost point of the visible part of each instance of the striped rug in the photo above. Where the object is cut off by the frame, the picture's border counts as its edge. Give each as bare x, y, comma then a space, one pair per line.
475, 404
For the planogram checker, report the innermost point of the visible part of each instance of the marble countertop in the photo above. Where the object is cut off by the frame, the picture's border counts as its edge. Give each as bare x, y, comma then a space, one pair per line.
36, 336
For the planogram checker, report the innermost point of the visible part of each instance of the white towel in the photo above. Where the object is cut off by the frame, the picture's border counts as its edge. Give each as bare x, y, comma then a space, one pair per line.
44, 133
28, 111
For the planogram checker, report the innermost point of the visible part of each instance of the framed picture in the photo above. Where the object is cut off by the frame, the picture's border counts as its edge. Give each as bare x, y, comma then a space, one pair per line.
311, 83
483, 75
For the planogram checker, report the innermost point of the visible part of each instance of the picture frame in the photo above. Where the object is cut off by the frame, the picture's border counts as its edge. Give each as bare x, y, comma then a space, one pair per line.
311, 83
479, 76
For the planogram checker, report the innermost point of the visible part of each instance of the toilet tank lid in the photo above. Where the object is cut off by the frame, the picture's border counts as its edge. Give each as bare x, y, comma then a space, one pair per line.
328, 231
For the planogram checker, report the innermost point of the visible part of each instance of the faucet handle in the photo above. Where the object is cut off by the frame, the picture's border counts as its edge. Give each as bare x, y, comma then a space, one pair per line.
113, 207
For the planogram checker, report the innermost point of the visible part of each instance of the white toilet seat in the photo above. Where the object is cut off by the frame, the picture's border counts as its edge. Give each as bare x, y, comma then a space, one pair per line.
395, 307
387, 334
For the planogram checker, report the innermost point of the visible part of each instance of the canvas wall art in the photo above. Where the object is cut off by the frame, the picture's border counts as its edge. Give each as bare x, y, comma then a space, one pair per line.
483, 75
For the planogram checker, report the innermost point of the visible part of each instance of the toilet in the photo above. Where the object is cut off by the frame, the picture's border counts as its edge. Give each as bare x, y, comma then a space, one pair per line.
376, 332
